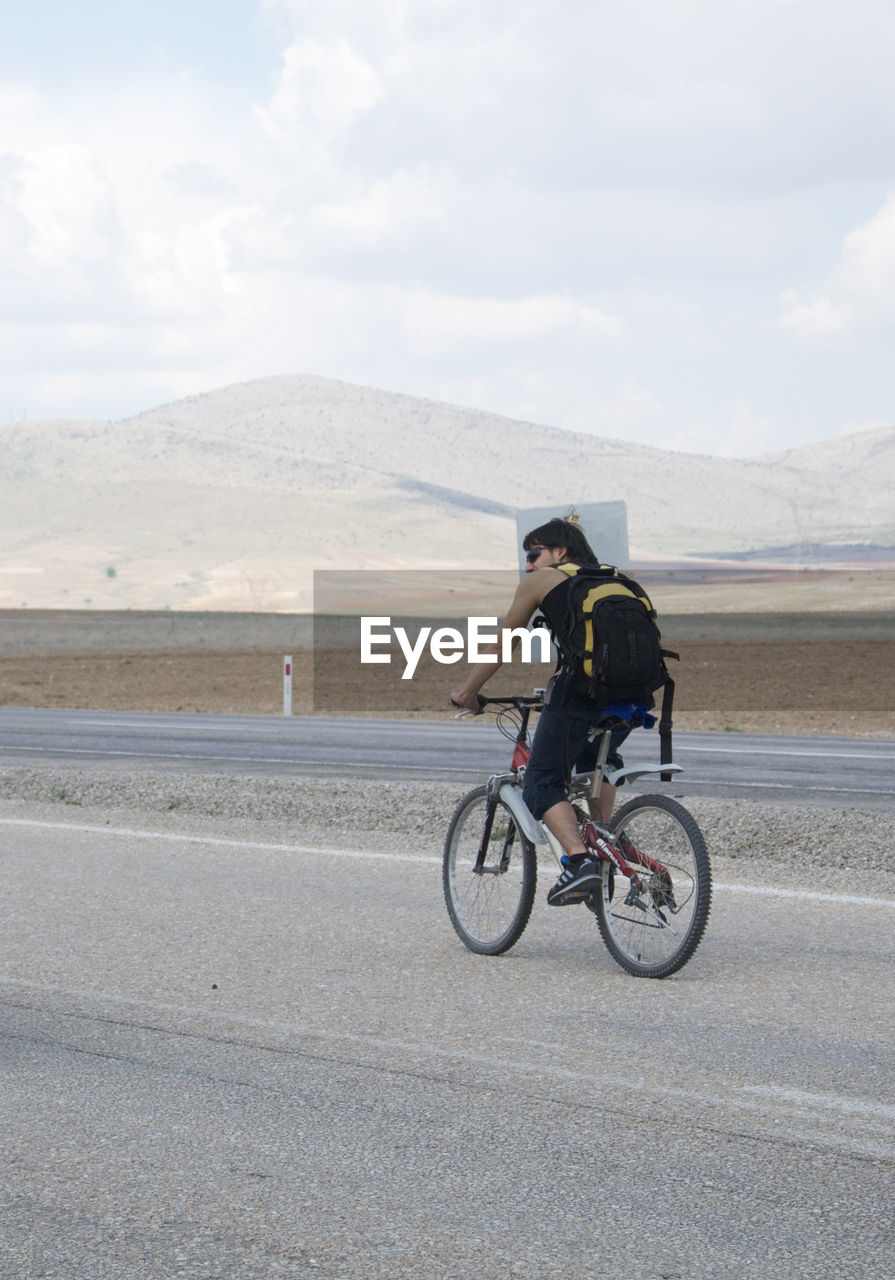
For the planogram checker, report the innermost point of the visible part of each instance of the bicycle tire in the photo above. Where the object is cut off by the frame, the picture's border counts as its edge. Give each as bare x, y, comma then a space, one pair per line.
489, 908
655, 933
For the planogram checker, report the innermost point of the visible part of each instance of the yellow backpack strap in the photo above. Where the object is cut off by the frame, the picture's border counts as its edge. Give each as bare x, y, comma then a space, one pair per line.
568, 569
634, 587
588, 604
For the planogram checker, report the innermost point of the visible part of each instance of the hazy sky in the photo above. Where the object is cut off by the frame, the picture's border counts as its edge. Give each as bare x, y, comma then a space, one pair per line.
670, 221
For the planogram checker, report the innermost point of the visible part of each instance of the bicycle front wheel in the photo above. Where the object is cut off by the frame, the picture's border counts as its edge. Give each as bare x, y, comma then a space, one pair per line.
652, 932
489, 896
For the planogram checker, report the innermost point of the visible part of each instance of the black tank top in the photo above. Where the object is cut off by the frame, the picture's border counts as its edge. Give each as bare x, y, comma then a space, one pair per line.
555, 608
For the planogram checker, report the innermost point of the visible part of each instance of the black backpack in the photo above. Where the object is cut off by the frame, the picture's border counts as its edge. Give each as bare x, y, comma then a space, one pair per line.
612, 641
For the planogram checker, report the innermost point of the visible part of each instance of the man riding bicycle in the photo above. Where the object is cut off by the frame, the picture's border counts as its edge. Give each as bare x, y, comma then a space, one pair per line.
563, 732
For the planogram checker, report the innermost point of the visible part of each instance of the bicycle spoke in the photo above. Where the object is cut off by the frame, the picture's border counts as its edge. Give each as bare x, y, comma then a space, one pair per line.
647, 935
489, 899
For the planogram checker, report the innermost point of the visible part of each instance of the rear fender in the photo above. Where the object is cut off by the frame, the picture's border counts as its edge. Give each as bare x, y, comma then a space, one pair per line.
632, 771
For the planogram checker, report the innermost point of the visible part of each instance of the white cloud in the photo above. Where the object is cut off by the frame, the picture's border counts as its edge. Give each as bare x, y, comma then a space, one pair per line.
321, 91
738, 431
375, 211
675, 106
860, 292
873, 424
580, 214
67, 202
439, 320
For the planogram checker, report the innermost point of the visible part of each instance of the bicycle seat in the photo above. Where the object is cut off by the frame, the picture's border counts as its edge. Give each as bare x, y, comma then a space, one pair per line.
618, 715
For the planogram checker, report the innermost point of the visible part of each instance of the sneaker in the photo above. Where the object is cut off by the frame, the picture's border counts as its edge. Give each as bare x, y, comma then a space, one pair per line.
579, 880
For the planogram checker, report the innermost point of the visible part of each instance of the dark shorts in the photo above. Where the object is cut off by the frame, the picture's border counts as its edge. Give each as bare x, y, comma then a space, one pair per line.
545, 773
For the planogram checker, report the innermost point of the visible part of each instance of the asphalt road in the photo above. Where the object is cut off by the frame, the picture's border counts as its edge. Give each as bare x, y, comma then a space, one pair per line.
840, 770
228, 1058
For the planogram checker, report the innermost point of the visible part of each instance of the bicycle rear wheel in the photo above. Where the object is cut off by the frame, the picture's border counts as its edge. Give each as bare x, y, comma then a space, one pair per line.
654, 932
489, 900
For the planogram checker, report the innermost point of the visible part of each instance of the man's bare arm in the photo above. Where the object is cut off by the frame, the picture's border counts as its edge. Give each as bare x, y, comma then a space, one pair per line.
529, 594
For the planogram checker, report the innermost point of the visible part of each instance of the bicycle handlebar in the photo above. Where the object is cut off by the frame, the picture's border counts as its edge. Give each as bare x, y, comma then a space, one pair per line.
519, 700
533, 702
616, 715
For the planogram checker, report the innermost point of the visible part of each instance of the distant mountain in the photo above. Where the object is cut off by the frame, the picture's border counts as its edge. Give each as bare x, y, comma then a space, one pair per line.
231, 499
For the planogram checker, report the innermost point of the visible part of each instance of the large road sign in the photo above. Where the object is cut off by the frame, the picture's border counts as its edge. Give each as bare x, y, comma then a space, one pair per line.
605, 526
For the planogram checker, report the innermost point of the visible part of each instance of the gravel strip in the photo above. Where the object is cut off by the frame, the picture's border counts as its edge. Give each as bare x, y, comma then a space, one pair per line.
340, 811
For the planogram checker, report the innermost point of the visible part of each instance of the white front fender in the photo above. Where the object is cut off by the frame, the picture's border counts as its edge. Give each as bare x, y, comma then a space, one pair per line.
529, 826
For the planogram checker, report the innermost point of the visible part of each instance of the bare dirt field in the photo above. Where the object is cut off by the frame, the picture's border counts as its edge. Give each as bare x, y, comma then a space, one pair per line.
776, 673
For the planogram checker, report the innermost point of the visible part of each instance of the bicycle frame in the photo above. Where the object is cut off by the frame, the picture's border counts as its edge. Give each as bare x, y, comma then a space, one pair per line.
508, 786
653, 897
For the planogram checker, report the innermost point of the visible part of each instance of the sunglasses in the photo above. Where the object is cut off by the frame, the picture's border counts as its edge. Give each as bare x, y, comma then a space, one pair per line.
532, 554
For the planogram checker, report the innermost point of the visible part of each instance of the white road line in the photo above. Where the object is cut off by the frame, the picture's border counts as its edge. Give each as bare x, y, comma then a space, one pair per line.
826, 788
683, 747
806, 895
427, 770
260, 846
271, 726
183, 726
823, 1101
341, 765
852, 1124
133, 833
152, 755
805, 753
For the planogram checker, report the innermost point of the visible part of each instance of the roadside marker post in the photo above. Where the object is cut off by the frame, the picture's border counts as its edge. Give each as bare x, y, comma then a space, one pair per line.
287, 685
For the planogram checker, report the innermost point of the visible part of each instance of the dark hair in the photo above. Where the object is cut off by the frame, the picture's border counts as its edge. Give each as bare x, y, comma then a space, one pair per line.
562, 533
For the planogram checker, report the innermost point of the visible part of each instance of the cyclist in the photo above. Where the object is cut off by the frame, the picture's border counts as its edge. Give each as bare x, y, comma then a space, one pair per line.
568, 717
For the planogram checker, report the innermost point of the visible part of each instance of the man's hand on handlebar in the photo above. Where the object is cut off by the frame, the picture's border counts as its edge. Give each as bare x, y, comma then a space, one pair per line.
466, 701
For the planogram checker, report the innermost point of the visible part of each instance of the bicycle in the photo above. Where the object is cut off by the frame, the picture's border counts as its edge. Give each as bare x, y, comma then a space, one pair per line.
654, 897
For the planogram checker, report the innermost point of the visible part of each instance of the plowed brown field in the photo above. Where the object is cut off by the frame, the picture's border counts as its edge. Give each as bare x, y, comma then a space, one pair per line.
797, 675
